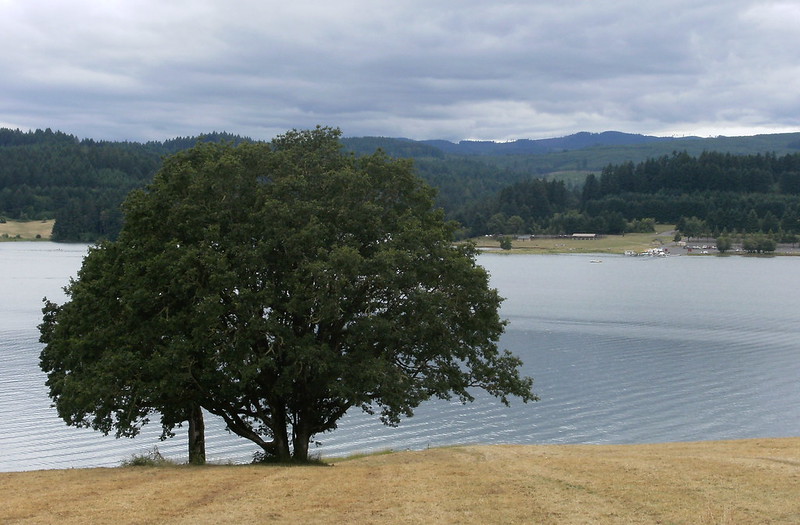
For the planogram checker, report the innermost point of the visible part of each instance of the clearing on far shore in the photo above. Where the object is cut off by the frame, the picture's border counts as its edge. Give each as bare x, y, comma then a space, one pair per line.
26, 230
612, 244
638, 243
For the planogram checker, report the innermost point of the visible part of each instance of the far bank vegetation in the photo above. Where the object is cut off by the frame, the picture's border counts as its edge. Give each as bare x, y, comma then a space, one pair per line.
735, 186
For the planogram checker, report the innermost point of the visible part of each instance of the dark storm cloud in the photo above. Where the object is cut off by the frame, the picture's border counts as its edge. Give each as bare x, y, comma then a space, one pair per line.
501, 70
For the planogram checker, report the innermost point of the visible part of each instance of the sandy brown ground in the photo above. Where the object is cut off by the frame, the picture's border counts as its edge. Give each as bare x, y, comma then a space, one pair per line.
737, 482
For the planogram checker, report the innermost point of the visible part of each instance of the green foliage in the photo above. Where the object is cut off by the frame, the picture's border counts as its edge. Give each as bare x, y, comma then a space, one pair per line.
724, 243
277, 286
642, 226
516, 207
758, 244
692, 227
505, 242
516, 224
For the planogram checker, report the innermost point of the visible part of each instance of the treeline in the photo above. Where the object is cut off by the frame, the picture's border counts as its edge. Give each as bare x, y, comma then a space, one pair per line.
708, 172
79, 183
712, 193
720, 192
544, 207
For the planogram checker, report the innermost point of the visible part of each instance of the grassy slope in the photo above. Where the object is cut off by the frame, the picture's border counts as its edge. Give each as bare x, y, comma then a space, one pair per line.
746, 481
27, 230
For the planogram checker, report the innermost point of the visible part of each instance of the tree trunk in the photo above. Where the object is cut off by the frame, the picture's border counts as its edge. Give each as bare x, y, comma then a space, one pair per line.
279, 435
300, 438
197, 436
300, 444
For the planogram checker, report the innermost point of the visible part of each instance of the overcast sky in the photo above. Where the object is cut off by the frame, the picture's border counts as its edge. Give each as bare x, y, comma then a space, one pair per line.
422, 69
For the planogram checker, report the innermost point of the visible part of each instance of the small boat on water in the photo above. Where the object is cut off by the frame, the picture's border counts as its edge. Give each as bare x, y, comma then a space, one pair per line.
595, 261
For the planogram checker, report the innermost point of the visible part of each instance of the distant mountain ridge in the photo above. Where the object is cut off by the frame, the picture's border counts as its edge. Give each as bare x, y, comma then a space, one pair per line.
404, 147
582, 151
581, 140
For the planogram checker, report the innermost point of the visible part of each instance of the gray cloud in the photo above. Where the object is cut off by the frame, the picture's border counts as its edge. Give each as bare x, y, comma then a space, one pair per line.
486, 70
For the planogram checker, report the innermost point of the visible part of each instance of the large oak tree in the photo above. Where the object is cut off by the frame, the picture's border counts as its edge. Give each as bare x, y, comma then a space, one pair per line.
277, 286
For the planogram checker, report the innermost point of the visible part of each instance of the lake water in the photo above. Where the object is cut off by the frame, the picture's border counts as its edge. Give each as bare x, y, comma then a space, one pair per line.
630, 350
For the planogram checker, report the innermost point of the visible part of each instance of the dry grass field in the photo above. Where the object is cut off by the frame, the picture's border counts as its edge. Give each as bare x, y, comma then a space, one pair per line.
733, 482
26, 230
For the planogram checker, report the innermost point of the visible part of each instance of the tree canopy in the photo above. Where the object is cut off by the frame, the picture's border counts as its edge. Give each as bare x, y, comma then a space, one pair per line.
276, 286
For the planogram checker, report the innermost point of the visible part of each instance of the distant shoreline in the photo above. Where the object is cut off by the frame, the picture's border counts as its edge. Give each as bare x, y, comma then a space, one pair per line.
42, 230
662, 238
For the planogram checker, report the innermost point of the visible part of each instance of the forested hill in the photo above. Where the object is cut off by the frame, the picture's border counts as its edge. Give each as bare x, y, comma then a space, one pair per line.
47, 174
80, 183
712, 193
